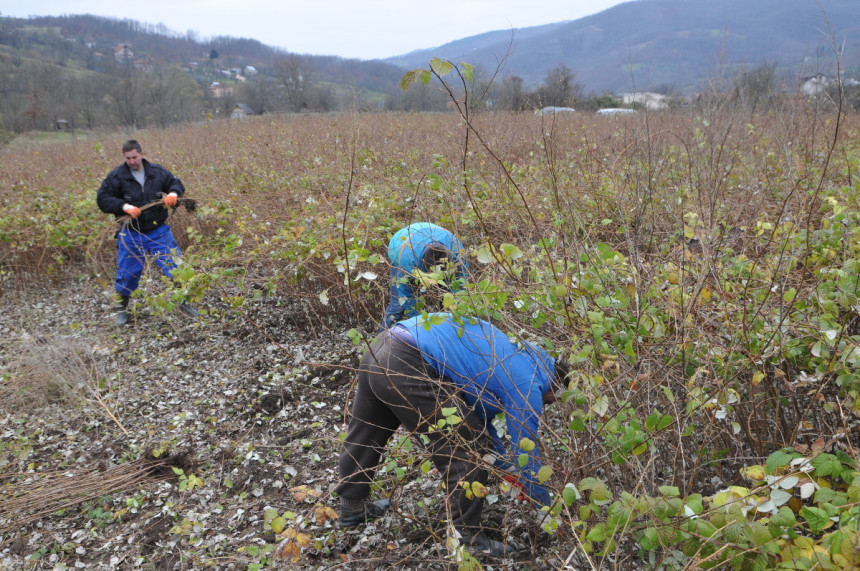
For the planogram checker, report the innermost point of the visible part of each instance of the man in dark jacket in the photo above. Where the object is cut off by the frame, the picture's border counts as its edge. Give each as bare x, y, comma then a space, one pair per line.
125, 191
415, 375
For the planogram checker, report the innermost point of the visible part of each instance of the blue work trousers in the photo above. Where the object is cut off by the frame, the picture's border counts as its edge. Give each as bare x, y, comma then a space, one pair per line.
132, 249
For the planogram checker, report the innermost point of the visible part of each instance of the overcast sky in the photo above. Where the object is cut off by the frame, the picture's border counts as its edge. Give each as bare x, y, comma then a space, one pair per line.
349, 28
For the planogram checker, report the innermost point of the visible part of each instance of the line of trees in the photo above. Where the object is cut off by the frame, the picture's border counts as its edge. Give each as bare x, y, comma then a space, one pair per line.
508, 93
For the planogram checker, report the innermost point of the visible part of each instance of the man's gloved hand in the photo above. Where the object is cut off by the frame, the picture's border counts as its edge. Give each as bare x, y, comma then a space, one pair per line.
515, 482
171, 199
132, 211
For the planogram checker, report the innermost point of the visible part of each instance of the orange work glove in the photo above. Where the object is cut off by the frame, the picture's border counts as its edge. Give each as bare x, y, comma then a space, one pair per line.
515, 482
132, 211
171, 200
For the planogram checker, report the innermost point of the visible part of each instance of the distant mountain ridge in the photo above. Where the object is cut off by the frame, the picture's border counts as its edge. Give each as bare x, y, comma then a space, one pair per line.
643, 44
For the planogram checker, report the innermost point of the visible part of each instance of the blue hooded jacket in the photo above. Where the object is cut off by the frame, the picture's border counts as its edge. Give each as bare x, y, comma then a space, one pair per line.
406, 250
496, 376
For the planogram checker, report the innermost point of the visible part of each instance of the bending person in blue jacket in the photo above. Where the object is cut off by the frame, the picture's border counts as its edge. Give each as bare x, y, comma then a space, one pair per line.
417, 368
420, 246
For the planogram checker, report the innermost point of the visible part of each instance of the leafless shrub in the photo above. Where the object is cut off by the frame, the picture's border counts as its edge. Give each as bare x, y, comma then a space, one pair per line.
51, 371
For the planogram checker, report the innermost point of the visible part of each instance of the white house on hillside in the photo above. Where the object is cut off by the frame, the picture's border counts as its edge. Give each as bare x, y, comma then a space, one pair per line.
814, 84
240, 111
647, 99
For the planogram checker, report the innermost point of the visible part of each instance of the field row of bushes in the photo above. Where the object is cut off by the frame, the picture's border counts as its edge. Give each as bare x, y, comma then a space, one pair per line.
699, 269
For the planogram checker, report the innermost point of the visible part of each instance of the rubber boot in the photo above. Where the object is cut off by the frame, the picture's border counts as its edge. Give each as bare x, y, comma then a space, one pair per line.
477, 543
187, 309
480, 543
354, 512
122, 310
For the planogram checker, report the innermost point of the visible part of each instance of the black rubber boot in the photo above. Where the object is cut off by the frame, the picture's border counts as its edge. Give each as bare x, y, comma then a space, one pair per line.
354, 512
187, 309
122, 310
479, 544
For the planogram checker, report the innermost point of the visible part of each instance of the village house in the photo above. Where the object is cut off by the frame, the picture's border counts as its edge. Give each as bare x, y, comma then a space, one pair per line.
814, 84
218, 90
647, 99
240, 111
123, 52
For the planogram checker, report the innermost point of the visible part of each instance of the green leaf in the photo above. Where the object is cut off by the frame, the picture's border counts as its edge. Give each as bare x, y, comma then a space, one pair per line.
598, 489
484, 255
649, 540
657, 421
827, 465
569, 494
601, 405
425, 76
409, 78
778, 460
597, 533
667, 392
278, 524
468, 71
784, 517
544, 474
269, 514
522, 460
511, 252
441, 67
816, 518
671, 491
705, 528
758, 533
527, 444
694, 502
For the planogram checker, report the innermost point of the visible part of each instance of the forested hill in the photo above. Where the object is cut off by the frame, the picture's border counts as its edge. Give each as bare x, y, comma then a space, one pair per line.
643, 44
94, 71
85, 38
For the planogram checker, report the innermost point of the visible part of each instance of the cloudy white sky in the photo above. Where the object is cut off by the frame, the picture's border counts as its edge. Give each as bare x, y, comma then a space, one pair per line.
362, 29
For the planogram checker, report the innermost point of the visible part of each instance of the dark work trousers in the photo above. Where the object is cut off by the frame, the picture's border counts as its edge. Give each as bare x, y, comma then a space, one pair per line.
397, 388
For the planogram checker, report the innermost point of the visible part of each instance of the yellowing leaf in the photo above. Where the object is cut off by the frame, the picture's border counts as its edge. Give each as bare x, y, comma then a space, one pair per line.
288, 550
527, 444
544, 474
303, 539
753, 473
323, 513
440, 66
480, 490
278, 524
